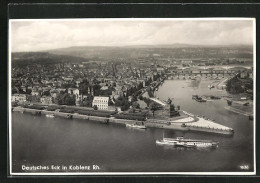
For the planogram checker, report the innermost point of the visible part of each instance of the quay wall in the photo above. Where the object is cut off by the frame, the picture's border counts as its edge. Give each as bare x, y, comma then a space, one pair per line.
32, 111
166, 126
210, 130
60, 114
124, 121
17, 109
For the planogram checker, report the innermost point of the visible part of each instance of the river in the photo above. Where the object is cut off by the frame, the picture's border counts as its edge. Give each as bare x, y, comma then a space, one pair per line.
37, 140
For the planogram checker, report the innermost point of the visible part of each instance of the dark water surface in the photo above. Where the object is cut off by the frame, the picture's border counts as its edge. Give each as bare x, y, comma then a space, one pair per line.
38, 140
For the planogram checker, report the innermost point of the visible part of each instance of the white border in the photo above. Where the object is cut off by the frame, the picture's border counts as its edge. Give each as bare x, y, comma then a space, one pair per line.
129, 173
9, 97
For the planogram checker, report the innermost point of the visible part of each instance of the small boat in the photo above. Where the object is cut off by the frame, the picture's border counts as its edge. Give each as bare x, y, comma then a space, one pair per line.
50, 116
246, 104
189, 143
195, 96
211, 86
136, 126
199, 99
69, 116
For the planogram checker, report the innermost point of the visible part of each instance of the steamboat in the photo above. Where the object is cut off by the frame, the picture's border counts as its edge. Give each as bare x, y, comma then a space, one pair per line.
180, 141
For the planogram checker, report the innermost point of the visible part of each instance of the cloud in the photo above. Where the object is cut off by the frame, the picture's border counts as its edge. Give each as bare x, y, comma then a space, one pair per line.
50, 34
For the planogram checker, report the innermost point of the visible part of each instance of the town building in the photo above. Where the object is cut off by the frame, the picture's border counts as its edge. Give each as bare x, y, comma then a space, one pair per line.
244, 75
46, 100
35, 93
101, 102
18, 98
186, 61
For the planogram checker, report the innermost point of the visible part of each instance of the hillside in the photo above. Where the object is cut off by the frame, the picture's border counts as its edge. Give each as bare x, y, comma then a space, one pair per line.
127, 53
25, 58
173, 51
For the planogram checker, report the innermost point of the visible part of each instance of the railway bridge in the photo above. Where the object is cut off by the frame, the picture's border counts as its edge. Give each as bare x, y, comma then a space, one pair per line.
202, 73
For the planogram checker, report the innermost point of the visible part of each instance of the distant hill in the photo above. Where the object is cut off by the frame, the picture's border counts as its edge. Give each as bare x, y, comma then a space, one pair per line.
176, 45
101, 53
43, 58
174, 51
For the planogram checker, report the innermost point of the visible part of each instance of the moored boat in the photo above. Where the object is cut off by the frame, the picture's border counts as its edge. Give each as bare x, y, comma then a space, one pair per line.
136, 126
211, 86
50, 115
199, 99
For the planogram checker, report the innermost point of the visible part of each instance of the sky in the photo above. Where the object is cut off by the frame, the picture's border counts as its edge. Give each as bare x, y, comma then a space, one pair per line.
38, 35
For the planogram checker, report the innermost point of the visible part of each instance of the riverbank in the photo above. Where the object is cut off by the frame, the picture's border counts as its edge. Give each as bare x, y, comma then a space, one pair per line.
221, 85
238, 111
185, 124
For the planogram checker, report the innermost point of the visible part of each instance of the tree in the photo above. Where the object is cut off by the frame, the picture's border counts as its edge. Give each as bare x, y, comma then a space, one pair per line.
15, 90
169, 101
68, 85
70, 99
110, 102
132, 110
28, 91
173, 112
149, 91
172, 107
66, 99
147, 101
125, 107
136, 105
46, 93
140, 86
123, 103
152, 107
95, 81
83, 87
234, 85
134, 98
87, 101
95, 107
96, 89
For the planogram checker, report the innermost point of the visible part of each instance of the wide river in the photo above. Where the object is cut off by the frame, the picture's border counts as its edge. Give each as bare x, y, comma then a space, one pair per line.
38, 140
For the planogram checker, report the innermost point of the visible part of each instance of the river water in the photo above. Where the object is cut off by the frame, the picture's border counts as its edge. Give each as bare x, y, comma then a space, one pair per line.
37, 140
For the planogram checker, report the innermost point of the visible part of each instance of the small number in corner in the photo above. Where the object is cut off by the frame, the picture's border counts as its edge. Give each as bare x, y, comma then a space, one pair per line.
244, 167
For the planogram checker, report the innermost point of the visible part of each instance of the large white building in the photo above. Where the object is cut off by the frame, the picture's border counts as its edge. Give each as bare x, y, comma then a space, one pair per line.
101, 102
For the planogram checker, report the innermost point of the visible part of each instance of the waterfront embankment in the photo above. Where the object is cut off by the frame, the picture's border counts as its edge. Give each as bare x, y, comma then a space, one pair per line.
238, 111
190, 123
